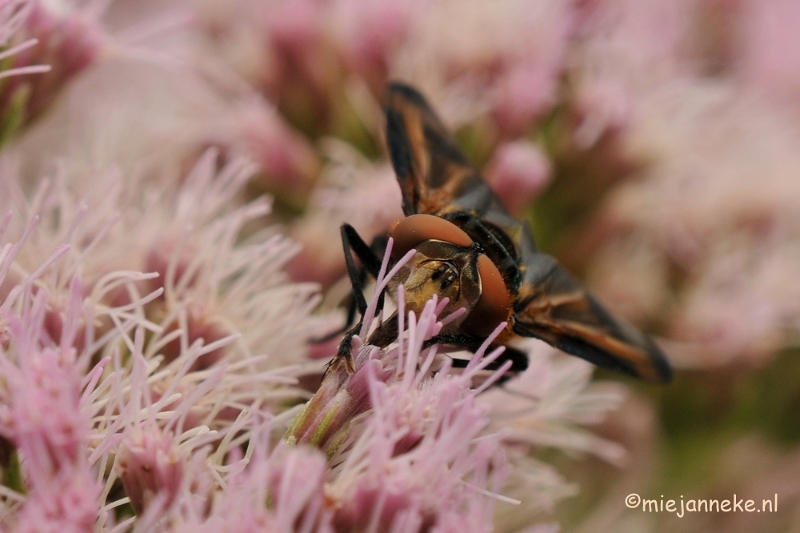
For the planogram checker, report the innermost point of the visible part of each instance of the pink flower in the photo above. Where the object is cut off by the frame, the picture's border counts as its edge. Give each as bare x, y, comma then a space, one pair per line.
352, 190
253, 127
44, 414
68, 501
409, 445
171, 348
150, 466
518, 172
281, 490
371, 32
66, 43
138, 417
764, 48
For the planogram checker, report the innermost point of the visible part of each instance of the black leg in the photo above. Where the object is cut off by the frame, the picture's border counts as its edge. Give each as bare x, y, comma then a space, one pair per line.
518, 358
386, 333
370, 257
352, 242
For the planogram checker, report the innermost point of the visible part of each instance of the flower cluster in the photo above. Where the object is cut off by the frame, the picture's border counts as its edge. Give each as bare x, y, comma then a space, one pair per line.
173, 176
116, 381
141, 401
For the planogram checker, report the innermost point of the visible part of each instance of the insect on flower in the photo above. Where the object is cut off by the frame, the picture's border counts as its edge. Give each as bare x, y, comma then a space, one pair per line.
471, 251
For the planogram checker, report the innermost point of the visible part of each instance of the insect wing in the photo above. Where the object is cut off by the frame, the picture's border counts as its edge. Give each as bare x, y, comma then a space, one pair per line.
553, 306
435, 178
434, 175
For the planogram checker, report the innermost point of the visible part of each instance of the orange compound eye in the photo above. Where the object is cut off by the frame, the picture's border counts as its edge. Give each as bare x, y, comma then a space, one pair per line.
411, 231
493, 306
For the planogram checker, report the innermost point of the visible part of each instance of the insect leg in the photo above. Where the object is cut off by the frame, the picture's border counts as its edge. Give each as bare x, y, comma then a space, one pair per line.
352, 242
518, 358
369, 257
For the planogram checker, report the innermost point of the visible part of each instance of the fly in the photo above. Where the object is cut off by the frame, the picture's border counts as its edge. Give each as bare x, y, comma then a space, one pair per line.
470, 250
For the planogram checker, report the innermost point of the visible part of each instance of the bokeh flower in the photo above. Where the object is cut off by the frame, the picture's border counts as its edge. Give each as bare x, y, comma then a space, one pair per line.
173, 176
